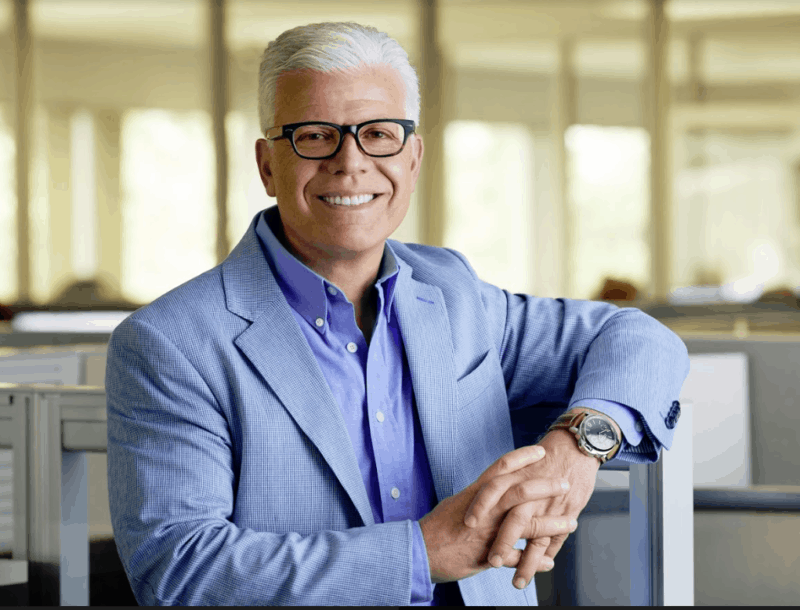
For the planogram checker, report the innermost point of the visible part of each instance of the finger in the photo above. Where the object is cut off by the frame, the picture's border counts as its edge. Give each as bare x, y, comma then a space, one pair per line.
513, 558
528, 566
505, 465
508, 491
556, 542
518, 524
513, 461
531, 490
533, 559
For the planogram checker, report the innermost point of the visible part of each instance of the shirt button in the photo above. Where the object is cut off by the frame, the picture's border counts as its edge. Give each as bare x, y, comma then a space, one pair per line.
351, 347
332, 291
395, 493
319, 322
638, 427
379, 415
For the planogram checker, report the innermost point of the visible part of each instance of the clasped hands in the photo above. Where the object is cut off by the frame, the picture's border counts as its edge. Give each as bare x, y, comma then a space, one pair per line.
534, 493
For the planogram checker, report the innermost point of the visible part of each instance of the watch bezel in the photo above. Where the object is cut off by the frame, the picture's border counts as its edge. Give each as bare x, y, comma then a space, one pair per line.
584, 433
586, 445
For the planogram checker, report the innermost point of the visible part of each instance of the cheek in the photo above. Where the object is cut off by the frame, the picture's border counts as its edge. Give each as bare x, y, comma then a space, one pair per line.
293, 180
399, 174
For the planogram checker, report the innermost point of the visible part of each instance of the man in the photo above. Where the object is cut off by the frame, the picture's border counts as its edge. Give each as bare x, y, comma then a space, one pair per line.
325, 417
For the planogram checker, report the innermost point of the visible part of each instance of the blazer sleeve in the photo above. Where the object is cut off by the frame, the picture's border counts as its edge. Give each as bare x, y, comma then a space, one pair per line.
172, 480
557, 352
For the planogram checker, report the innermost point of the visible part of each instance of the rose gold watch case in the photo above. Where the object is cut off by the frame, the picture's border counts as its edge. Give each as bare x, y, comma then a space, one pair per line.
580, 434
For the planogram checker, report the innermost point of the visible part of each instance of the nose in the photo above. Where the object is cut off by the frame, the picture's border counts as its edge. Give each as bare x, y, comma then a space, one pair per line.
350, 159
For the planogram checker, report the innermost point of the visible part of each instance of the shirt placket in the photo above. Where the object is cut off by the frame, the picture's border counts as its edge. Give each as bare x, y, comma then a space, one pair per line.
387, 433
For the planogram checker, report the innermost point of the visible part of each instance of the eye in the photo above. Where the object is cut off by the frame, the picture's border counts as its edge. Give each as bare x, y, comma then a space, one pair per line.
315, 133
378, 132
312, 136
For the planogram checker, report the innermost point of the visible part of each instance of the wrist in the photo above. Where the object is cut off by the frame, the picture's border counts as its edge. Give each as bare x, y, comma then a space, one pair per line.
562, 444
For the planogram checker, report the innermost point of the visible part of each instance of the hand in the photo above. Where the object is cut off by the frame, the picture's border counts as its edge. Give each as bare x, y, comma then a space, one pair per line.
513, 489
456, 551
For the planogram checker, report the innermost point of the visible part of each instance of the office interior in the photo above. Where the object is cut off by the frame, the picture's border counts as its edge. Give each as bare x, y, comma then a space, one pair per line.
642, 152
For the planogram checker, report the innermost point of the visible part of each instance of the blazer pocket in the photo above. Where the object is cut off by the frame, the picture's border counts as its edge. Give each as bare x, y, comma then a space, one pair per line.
475, 383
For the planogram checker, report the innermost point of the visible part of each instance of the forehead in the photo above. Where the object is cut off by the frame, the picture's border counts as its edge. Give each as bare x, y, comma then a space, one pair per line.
345, 97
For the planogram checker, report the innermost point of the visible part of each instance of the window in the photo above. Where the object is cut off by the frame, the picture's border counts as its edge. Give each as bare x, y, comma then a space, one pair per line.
168, 232
8, 210
737, 222
609, 207
489, 200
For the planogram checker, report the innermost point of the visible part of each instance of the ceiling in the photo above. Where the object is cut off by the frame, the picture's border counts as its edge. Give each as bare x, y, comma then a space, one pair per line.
254, 22
743, 38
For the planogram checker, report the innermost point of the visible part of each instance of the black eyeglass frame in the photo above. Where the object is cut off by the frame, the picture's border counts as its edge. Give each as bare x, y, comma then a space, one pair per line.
287, 132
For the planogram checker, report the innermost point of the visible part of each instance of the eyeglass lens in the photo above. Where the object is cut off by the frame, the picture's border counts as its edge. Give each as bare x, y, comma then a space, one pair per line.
375, 139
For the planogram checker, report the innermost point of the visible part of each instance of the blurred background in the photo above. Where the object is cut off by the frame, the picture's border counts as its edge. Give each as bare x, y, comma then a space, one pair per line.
645, 152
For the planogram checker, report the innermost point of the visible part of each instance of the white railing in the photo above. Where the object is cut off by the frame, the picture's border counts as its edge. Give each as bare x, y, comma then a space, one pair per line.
51, 428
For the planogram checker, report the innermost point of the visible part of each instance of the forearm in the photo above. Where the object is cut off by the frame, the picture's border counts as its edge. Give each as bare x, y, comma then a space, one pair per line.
219, 564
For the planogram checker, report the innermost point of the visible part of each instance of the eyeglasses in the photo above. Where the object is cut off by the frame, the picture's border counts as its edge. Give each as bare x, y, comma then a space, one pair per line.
317, 140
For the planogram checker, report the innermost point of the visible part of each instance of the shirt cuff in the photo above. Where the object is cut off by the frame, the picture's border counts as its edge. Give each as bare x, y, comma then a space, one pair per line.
627, 419
421, 585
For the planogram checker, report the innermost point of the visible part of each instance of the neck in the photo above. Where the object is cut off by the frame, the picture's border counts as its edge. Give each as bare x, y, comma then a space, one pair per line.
355, 276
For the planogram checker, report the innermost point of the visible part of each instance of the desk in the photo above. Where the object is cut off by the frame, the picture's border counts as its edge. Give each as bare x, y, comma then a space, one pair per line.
50, 429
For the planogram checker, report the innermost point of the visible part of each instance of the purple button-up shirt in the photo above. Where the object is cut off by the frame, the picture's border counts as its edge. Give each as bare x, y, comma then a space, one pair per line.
372, 386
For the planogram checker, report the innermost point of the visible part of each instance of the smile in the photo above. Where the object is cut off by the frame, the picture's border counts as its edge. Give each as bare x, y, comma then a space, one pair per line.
355, 200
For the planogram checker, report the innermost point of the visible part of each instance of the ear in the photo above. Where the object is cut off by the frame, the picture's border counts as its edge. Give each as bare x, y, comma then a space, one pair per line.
417, 150
264, 160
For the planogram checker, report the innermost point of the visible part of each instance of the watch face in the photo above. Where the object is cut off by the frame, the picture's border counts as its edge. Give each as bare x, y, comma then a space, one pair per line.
599, 433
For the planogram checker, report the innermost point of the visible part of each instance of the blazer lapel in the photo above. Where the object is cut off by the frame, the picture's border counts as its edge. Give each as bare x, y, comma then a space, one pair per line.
279, 351
425, 328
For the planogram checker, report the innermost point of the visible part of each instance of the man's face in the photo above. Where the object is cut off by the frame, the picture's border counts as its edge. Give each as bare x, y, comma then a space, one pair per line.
315, 228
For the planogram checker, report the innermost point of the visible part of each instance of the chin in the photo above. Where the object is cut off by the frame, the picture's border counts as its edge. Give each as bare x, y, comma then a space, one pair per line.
352, 247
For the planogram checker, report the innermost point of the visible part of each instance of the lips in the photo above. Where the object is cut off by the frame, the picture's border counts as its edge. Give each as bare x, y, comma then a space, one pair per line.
348, 200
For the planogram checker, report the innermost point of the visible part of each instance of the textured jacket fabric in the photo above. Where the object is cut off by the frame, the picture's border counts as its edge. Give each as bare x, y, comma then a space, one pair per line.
232, 478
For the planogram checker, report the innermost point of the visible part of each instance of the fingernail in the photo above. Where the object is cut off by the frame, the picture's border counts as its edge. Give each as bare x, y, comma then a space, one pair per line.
471, 521
573, 525
519, 583
547, 564
565, 485
540, 451
496, 561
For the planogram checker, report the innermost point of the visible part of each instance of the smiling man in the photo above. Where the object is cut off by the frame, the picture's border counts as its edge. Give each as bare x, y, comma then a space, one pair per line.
325, 418
338, 204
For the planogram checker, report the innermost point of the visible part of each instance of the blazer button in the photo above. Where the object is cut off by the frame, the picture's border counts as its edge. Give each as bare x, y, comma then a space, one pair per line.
674, 415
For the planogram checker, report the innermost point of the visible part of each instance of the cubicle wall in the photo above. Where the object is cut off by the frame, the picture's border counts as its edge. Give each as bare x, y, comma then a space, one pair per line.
746, 444
773, 380
59, 365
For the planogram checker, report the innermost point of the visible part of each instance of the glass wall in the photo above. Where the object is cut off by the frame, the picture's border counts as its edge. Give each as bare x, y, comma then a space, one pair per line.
8, 208
544, 174
168, 231
8, 198
609, 206
489, 200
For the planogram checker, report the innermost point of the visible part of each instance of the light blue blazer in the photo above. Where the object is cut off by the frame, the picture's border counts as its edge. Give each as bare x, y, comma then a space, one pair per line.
232, 478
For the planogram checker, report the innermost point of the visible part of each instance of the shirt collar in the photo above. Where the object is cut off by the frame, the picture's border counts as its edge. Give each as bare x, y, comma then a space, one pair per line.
305, 290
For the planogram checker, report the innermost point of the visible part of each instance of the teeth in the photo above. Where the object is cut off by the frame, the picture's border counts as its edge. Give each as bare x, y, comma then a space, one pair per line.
358, 200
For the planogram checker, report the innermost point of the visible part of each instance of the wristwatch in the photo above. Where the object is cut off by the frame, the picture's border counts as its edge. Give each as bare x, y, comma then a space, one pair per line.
595, 433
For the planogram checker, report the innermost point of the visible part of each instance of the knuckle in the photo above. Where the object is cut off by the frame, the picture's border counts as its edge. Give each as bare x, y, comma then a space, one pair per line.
504, 463
518, 518
536, 531
494, 486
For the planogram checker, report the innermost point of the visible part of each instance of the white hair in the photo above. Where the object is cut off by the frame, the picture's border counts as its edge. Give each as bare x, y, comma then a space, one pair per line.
327, 47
